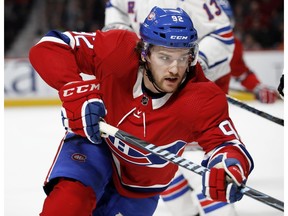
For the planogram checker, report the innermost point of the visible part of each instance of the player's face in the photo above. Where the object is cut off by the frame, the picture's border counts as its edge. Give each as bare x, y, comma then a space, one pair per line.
168, 67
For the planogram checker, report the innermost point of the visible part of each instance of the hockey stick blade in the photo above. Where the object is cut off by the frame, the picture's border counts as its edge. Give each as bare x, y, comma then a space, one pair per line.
107, 129
254, 110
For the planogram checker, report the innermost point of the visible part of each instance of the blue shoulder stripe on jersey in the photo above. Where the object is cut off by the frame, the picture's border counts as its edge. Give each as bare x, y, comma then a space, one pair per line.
58, 34
218, 34
224, 29
225, 41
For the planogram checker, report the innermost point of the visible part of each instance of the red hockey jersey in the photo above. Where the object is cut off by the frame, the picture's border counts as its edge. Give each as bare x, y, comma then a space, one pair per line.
198, 113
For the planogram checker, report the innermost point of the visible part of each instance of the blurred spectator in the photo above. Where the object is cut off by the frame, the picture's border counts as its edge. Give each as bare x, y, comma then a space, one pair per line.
259, 23
78, 15
16, 13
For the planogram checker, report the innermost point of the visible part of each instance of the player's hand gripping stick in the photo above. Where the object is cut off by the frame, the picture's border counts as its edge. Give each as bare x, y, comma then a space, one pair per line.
82, 109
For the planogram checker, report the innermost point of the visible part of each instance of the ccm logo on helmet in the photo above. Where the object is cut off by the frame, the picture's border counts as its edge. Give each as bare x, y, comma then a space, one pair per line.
178, 37
81, 89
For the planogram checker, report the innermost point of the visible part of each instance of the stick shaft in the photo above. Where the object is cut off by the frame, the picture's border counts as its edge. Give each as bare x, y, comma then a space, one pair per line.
183, 162
254, 194
255, 111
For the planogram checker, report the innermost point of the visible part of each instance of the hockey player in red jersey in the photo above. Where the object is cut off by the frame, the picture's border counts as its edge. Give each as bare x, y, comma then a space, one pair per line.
152, 88
216, 45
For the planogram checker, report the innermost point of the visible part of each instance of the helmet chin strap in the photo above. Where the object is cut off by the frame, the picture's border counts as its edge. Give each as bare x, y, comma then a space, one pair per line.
152, 80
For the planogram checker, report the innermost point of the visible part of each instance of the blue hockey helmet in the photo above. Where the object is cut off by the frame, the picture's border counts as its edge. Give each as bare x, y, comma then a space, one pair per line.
169, 28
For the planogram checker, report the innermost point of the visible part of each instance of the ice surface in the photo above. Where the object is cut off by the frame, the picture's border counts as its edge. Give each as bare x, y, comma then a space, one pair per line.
32, 136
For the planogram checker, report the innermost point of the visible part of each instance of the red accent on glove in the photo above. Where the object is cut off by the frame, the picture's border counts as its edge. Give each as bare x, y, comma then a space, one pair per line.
217, 184
234, 170
265, 94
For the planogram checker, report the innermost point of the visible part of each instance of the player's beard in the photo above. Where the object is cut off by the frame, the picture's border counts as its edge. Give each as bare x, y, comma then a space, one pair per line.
167, 84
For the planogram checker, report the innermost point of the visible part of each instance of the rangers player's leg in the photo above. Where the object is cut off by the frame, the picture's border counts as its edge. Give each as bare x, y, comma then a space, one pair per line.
178, 197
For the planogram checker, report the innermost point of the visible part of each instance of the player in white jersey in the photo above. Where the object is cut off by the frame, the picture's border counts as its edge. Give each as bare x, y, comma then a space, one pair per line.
216, 45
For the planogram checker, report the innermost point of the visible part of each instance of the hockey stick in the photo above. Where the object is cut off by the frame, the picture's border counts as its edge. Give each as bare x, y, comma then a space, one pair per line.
254, 110
180, 161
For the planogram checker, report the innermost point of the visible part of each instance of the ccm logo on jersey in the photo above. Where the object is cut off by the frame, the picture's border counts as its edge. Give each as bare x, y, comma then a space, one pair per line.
81, 89
178, 37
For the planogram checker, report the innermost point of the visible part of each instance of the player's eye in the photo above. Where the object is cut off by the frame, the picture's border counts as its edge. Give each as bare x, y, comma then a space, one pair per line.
165, 58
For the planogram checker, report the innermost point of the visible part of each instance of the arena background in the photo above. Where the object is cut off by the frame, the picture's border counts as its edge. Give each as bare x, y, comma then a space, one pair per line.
32, 124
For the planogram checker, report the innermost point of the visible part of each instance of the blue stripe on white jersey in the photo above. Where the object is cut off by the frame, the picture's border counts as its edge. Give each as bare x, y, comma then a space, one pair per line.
209, 205
218, 63
225, 35
177, 192
204, 58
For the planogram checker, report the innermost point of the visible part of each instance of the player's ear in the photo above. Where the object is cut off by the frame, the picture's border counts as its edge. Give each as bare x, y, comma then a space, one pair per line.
143, 56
